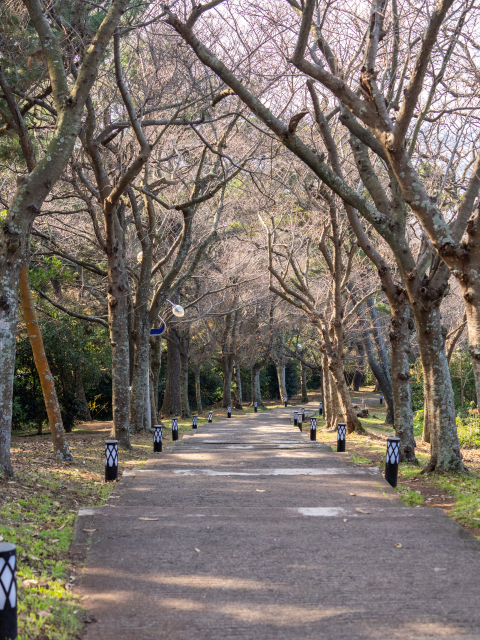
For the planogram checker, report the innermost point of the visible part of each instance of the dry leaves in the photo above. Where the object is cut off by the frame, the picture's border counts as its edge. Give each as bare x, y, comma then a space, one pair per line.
149, 519
398, 545
90, 530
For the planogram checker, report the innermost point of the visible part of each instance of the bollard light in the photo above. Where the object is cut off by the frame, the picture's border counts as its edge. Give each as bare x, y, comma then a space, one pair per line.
255, 407
8, 591
341, 436
381, 399
229, 412
299, 421
392, 460
313, 428
210, 416
285, 401
157, 438
174, 429
320, 409
111, 460
303, 414
194, 422
295, 418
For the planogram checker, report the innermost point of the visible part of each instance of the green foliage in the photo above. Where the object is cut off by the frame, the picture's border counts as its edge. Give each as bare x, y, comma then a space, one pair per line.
410, 497
468, 430
416, 385
75, 351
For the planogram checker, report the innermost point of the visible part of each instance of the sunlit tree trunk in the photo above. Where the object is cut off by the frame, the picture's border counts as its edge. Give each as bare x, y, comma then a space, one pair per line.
198, 391
304, 382
238, 387
155, 365
171, 400
255, 385
60, 445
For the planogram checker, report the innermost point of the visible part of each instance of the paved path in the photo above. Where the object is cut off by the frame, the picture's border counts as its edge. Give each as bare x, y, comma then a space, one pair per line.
247, 530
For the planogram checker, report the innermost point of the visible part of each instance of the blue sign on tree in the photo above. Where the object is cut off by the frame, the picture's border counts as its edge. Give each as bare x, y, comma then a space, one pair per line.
157, 331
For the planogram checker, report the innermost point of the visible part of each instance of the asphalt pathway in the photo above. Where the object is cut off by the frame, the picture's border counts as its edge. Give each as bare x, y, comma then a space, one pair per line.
246, 530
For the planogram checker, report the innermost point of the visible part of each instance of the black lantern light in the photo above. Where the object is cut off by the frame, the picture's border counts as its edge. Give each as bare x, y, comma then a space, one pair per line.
392, 460
8, 591
174, 429
300, 421
111, 460
341, 436
285, 401
255, 407
194, 422
229, 412
313, 428
210, 416
295, 418
157, 438
320, 409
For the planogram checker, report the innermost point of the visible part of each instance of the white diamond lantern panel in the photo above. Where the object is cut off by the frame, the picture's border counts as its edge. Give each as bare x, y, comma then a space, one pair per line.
7, 582
111, 455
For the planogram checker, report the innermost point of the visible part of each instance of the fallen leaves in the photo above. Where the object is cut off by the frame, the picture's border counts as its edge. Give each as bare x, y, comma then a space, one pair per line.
398, 545
197, 550
149, 519
260, 490
362, 511
90, 530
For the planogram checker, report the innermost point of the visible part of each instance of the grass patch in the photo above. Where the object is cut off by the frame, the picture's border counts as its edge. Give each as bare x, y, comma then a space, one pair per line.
410, 497
38, 508
357, 459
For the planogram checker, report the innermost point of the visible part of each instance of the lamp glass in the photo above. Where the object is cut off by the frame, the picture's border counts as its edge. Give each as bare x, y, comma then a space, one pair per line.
178, 311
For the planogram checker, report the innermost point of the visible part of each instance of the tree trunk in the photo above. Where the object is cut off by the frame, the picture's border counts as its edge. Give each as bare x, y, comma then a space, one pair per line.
439, 401
238, 387
333, 337
118, 324
402, 326
280, 367
141, 340
171, 400
255, 385
327, 397
138, 394
304, 382
198, 391
358, 376
59, 441
227, 368
155, 365
383, 379
336, 414
184, 350
82, 397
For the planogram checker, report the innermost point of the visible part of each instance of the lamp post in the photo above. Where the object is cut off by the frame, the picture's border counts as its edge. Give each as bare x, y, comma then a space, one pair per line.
157, 438
229, 412
194, 422
341, 436
174, 429
210, 416
295, 418
392, 460
111, 460
313, 428
255, 407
